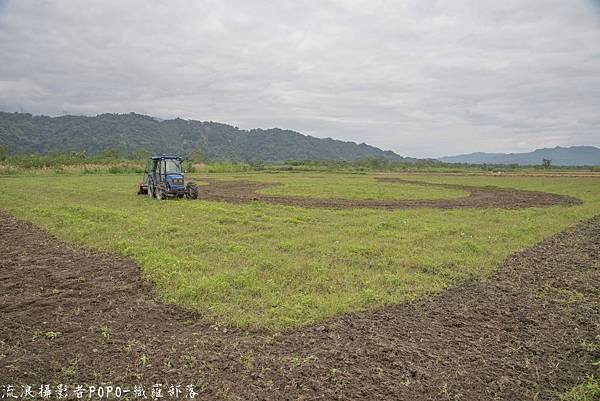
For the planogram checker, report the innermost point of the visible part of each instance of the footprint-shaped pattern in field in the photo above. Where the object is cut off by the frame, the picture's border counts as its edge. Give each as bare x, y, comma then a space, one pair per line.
479, 197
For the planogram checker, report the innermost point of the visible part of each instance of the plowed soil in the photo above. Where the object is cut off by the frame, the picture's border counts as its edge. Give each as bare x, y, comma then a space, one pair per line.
479, 197
72, 315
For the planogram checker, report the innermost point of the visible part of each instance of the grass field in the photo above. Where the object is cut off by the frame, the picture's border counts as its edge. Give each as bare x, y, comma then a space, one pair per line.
259, 265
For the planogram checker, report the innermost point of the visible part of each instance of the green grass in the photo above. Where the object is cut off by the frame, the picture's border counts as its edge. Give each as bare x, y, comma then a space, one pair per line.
261, 265
354, 187
588, 391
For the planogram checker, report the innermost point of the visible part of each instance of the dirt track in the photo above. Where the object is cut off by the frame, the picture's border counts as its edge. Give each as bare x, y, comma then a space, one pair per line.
516, 336
479, 197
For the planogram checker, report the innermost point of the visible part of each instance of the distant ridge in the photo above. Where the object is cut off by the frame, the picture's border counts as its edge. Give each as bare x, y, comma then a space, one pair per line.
129, 133
569, 156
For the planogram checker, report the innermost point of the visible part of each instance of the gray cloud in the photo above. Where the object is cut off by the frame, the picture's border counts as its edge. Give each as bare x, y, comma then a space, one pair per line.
423, 78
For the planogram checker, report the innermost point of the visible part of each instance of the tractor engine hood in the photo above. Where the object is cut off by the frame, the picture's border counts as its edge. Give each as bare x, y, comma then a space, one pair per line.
175, 180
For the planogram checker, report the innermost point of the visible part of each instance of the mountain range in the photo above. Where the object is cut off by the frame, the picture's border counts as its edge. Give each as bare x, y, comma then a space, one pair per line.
133, 133
559, 156
130, 133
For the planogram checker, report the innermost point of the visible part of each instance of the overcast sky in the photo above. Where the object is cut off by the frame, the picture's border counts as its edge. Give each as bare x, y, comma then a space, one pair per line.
422, 78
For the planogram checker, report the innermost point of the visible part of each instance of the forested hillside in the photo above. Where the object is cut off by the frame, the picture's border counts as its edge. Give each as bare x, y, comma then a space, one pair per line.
131, 133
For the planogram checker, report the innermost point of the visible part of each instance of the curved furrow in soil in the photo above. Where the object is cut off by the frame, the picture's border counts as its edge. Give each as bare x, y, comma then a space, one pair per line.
71, 315
479, 197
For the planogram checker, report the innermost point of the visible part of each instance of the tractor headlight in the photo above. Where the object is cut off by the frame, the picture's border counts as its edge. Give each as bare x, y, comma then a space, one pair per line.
178, 181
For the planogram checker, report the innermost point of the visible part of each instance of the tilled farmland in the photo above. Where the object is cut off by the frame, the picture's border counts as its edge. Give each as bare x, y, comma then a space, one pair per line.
71, 315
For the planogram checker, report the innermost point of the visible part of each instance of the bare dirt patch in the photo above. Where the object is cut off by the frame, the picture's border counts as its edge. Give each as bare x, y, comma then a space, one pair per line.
479, 197
72, 315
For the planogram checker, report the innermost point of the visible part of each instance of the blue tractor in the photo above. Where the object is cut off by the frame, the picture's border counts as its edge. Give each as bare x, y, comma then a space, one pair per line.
164, 178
